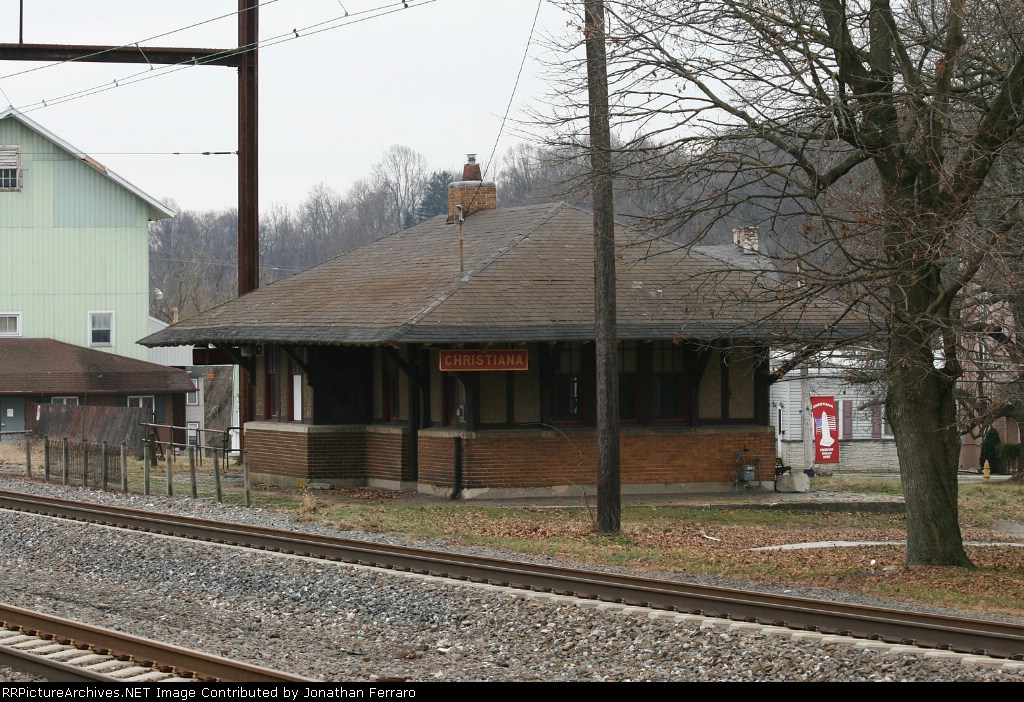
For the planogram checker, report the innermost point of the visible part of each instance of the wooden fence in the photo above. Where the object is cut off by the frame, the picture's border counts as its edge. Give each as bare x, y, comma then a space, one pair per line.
110, 467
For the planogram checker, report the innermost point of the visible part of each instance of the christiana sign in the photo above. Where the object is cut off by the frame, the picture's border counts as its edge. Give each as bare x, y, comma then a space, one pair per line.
826, 438
492, 360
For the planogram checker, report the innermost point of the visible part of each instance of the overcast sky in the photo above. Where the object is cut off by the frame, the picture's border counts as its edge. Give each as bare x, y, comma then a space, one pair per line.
436, 77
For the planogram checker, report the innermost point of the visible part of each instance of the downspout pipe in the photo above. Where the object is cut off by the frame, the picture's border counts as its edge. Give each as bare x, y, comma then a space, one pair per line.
457, 469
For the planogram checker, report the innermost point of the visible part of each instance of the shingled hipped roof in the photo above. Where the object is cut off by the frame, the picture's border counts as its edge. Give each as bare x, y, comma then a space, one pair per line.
49, 367
528, 275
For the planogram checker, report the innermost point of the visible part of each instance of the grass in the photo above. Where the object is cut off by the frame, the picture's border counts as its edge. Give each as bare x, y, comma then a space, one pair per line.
718, 542
690, 540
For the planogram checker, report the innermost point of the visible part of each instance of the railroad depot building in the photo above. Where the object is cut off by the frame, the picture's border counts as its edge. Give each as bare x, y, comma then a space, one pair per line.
456, 357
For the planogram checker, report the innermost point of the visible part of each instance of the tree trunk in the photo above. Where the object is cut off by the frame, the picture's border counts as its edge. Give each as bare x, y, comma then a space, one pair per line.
921, 410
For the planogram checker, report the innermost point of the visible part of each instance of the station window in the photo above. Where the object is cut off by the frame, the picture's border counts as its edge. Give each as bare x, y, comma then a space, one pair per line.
668, 382
567, 385
389, 389
628, 386
272, 363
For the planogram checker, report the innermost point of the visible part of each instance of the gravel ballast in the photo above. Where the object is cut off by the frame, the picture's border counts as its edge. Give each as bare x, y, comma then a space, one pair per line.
336, 622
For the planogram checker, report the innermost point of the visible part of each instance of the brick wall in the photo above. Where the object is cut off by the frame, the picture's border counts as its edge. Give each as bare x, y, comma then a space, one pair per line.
299, 452
279, 454
388, 454
531, 458
535, 459
437, 458
496, 460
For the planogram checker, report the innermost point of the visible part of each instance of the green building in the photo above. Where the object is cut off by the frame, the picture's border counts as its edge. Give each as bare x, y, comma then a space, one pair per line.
75, 242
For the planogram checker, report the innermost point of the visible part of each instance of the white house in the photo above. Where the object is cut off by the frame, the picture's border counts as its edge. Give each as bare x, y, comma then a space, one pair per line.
866, 443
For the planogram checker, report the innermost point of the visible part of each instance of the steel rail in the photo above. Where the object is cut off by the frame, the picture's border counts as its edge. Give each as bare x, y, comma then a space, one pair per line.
147, 652
49, 670
926, 630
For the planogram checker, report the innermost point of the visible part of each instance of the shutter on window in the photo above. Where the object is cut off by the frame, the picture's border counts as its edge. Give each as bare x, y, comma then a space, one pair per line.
8, 156
847, 419
876, 422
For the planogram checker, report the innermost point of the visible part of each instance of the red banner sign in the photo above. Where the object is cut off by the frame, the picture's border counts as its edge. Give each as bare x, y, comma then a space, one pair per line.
493, 360
826, 425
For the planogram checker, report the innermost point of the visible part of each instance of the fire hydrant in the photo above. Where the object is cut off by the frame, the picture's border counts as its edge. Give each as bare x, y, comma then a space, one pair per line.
986, 471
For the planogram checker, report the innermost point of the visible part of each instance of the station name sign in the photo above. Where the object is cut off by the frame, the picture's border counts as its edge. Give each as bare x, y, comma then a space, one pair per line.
492, 360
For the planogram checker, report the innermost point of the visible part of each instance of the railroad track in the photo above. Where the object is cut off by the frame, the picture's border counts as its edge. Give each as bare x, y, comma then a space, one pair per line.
63, 650
931, 631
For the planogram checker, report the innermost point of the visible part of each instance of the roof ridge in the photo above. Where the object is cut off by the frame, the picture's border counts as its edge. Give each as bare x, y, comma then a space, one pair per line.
61, 143
466, 277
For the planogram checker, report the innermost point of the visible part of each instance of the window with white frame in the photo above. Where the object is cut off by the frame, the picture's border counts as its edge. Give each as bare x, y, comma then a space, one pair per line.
10, 167
192, 398
192, 431
65, 400
101, 328
10, 324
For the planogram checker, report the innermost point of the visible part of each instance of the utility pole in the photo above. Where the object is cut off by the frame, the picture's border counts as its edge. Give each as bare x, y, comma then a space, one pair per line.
248, 181
248, 147
609, 499
244, 58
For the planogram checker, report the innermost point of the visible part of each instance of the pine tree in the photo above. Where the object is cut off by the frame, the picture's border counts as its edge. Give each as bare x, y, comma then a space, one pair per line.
988, 450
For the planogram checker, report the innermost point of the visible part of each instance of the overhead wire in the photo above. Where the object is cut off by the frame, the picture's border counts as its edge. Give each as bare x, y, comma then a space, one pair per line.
292, 35
135, 43
144, 153
337, 22
511, 99
221, 264
515, 86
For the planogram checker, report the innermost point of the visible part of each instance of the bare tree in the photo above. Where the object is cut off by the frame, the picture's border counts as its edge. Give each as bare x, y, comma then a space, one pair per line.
369, 216
877, 135
400, 176
192, 262
278, 239
322, 218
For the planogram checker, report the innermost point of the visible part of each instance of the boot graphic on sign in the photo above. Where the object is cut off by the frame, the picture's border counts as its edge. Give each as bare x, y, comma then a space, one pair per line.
826, 432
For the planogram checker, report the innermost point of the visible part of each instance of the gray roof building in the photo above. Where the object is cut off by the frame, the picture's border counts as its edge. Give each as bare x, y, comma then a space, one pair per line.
525, 274
382, 367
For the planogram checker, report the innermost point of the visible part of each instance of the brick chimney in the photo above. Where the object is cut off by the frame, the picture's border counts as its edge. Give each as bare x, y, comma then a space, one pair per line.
472, 192
746, 238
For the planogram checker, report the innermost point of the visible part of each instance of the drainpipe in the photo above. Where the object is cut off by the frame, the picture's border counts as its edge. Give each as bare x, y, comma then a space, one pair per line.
457, 469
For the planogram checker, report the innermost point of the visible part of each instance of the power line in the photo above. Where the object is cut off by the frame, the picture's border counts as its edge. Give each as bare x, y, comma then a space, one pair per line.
511, 99
519, 75
141, 153
221, 264
136, 43
297, 33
